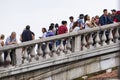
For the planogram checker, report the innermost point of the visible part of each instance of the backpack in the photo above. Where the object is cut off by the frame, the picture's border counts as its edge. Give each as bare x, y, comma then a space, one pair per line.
49, 33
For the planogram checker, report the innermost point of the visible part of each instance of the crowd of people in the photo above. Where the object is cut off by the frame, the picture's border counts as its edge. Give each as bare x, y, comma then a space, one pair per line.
83, 22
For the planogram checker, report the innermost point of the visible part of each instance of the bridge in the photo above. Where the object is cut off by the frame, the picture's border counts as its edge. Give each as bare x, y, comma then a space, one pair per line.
86, 51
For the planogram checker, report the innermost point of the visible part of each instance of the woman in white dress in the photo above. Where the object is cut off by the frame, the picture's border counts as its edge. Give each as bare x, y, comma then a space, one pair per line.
93, 22
88, 23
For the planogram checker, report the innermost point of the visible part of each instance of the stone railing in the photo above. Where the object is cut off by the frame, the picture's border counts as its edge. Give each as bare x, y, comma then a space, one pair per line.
61, 45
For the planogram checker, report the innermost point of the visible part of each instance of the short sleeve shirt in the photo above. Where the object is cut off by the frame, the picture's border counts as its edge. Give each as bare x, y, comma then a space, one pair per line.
62, 29
9, 39
27, 35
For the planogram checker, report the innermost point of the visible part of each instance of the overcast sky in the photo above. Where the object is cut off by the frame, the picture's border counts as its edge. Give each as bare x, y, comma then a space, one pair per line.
16, 14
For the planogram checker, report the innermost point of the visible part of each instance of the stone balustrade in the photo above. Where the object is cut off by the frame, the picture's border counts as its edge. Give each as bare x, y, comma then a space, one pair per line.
47, 48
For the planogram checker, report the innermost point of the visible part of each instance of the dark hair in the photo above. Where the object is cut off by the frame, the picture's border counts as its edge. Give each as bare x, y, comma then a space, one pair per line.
52, 24
51, 27
27, 27
64, 22
56, 25
113, 10
85, 17
104, 10
71, 17
44, 29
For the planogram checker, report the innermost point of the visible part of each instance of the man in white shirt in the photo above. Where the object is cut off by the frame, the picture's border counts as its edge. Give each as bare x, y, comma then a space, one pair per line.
71, 18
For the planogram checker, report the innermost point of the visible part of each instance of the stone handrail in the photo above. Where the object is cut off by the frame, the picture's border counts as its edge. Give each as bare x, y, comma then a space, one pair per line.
75, 42
59, 36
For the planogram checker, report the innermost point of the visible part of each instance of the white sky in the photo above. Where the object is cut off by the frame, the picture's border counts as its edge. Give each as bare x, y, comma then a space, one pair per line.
16, 14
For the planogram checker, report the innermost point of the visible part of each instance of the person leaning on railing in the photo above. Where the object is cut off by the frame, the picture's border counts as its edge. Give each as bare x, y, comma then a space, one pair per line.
9, 41
104, 20
27, 35
44, 31
62, 30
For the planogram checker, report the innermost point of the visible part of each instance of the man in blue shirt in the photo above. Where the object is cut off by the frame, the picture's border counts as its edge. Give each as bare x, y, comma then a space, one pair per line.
105, 19
9, 41
81, 21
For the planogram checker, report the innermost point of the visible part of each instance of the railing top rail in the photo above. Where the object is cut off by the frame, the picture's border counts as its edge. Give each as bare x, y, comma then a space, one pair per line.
57, 37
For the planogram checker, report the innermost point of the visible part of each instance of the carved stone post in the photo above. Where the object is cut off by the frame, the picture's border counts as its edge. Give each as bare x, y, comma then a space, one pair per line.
97, 39
61, 48
40, 52
84, 43
32, 53
68, 46
25, 55
90, 41
54, 49
47, 51
116, 35
110, 37
104, 38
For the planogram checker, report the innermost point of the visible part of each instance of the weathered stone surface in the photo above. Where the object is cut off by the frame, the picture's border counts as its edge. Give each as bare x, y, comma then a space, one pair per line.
76, 72
66, 71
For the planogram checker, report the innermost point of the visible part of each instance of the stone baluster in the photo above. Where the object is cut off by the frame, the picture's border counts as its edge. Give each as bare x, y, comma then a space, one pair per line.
84, 43
32, 53
65, 48
77, 43
68, 46
116, 35
54, 49
8, 59
1, 57
73, 43
40, 52
25, 55
90, 41
61, 48
110, 36
104, 38
97, 39
47, 51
